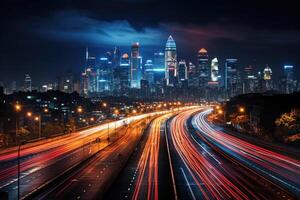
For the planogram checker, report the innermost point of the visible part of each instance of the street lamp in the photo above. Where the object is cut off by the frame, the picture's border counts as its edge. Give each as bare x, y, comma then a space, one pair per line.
18, 108
38, 119
134, 111
104, 104
79, 109
242, 109
29, 114
46, 110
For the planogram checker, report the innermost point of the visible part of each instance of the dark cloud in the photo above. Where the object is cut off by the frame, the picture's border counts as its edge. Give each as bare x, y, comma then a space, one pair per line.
52, 34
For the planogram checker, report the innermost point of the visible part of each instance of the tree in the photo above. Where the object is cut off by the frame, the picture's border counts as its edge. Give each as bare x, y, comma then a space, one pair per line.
289, 121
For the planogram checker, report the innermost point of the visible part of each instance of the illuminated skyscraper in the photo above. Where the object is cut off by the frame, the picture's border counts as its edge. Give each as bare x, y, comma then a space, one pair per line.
289, 76
149, 72
116, 58
135, 66
231, 77
170, 61
27, 83
124, 72
159, 66
182, 71
193, 80
105, 74
268, 78
214, 70
203, 69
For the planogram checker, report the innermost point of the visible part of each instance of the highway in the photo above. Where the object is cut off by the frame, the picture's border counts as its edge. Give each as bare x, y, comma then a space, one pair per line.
279, 169
146, 176
38, 160
202, 172
94, 178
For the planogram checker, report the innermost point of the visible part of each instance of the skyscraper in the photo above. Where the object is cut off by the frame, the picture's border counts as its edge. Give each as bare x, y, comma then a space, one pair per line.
268, 78
159, 66
124, 72
231, 77
289, 76
135, 66
149, 72
203, 69
214, 70
105, 74
27, 83
193, 80
182, 71
249, 80
116, 58
170, 61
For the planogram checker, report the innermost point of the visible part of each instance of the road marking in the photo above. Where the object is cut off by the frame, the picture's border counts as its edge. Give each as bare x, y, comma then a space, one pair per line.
206, 150
188, 184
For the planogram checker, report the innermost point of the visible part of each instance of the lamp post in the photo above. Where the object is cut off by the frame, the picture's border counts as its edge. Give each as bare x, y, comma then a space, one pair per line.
39, 120
241, 109
18, 108
78, 111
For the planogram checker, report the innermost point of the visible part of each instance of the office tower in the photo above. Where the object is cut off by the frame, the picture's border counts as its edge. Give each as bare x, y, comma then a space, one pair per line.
249, 80
193, 80
289, 76
170, 61
268, 78
116, 58
90, 61
89, 76
231, 77
27, 83
203, 69
182, 71
214, 72
149, 72
145, 89
105, 74
159, 67
122, 81
135, 66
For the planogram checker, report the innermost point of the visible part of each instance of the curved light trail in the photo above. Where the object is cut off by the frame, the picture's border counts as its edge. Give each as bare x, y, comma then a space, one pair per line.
148, 163
277, 168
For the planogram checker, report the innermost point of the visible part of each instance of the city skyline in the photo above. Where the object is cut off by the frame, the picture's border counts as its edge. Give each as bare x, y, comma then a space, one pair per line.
149, 99
59, 35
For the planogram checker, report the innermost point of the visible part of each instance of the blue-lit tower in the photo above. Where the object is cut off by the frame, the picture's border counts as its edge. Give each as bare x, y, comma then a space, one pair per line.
170, 61
135, 66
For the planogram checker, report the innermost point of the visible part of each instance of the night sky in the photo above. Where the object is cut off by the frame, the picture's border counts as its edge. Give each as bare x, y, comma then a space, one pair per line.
45, 38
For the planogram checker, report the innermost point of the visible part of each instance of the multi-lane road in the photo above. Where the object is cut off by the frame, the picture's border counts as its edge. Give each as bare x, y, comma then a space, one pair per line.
180, 155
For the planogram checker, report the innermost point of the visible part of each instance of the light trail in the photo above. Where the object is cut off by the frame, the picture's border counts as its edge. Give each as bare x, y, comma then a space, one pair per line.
276, 167
212, 179
148, 163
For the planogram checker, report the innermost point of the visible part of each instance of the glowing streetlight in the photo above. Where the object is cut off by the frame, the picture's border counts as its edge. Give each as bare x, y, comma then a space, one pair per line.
220, 112
104, 105
116, 112
92, 119
217, 107
46, 110
29, 114
79, 109
134, 111
36, 118
242, 109
18, 107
